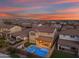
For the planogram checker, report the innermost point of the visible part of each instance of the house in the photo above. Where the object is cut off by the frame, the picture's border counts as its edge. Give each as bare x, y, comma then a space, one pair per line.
18, 36
41, 30
4, 55
44, 39
65, 27
6, 31
15, 29
9, 28
36, 32
44, 44
4, 27
69, 41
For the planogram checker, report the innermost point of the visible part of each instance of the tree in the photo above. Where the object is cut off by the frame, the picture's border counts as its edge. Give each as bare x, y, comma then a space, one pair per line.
2, 43
13, 52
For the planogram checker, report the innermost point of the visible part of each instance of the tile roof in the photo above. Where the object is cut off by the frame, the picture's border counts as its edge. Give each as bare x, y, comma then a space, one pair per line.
68, 43
4, 55
23, 33
70, 32
65, 27
6, 26
47, 30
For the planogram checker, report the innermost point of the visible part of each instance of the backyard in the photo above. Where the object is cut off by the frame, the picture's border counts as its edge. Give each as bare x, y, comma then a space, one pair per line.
59, 54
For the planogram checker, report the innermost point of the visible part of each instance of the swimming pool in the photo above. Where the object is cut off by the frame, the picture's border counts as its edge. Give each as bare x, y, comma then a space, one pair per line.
42, 52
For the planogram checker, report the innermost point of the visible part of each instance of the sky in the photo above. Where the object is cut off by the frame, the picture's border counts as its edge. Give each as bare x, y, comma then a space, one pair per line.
42, 9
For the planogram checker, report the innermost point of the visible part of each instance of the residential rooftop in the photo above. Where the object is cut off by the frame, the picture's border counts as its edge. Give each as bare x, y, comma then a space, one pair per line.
23, 33
4, 55
70, 32
69, 43
6, 26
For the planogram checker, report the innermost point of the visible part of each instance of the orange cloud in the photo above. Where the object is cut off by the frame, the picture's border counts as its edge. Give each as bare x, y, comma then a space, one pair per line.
53, 16
48, 16
64, 1
73, 10
3, 14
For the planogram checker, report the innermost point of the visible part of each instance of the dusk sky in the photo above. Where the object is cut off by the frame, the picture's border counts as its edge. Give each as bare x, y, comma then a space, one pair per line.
43, 9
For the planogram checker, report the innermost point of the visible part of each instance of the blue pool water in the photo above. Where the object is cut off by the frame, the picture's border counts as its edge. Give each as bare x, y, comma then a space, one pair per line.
37, 51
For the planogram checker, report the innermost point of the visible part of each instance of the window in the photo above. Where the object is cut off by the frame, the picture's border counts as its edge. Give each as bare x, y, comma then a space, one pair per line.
72, 36
40, 41
73, 48
32, 33
64, 35
77, 36
62, 48
8, 34
59, 47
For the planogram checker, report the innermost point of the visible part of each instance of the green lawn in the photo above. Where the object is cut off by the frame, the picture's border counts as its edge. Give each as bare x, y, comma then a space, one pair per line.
14, 56
59, 54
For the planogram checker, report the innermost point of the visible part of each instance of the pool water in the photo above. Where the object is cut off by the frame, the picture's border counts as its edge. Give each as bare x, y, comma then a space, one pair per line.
42, 52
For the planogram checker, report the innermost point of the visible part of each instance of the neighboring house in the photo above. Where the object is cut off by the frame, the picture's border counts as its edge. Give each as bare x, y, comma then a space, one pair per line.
20, 38
15, 29
26, 25
69, 41
7, 32
9, 29
66, 27
4, 27
13, 40
56, 26
4, 55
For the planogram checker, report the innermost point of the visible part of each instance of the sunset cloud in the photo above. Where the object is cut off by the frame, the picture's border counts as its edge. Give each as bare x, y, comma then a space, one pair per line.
4, 15
41, 9
13, 9
64, 1
54, 16
30, 1
22, 1
69, 10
